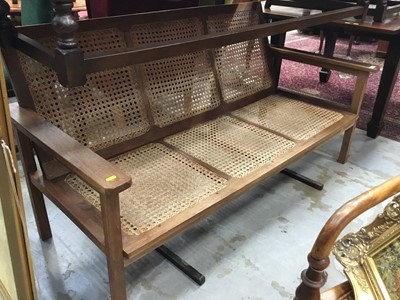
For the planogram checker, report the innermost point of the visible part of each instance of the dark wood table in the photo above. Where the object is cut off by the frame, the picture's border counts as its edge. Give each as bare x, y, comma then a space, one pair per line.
388, 30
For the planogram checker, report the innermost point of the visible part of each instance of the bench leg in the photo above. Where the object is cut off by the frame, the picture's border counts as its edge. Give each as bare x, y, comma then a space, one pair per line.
37, 200
113, 245
345, 149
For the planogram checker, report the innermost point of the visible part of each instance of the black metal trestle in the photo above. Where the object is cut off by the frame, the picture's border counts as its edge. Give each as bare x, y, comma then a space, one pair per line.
195, 275
181, 264
306, 180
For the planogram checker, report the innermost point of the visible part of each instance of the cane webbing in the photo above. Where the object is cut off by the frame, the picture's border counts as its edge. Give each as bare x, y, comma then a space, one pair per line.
107, 110
231, 146
178, 87
293, 118
164, 184
241, 67
157, 32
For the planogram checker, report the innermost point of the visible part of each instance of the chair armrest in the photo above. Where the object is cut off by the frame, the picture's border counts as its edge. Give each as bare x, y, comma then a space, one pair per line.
314, 277
99, 173
348, 212
342, 65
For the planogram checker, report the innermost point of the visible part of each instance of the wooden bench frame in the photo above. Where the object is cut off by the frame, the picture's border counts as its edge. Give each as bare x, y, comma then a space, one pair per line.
60, 154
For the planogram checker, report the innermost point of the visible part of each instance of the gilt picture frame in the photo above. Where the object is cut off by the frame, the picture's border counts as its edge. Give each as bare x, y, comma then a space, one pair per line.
371, 256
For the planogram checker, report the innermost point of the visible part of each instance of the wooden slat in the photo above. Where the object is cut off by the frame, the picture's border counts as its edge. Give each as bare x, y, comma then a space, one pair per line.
342, 65
33, 49
74, 206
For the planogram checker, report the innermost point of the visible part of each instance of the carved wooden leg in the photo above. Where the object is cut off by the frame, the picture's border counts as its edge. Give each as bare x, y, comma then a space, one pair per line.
312, 279
345, 149
37, 200
113, 245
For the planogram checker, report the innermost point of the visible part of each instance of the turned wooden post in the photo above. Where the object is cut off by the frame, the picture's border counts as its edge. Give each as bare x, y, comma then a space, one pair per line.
313, 279
69, 62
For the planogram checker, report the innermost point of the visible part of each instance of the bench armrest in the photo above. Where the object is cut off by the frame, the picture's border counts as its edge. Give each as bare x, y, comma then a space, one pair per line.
342, 65
99, 173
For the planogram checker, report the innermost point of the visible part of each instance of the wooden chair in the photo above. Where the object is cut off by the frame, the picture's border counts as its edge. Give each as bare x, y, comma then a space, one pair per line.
315, 277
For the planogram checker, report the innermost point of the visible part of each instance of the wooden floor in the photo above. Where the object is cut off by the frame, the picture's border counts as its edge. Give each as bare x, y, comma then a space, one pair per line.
254, 248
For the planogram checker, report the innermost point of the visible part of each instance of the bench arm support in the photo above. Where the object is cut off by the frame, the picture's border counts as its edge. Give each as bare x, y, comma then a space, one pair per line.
99, 173
358, 69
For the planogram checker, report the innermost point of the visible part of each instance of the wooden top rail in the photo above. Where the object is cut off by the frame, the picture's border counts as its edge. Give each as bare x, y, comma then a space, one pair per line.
119, 58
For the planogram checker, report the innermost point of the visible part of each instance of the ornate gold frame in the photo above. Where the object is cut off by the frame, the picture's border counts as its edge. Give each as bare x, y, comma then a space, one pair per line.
362, 255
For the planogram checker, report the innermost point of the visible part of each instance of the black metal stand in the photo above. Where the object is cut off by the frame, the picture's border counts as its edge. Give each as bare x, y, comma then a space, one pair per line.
308, 181
182, 265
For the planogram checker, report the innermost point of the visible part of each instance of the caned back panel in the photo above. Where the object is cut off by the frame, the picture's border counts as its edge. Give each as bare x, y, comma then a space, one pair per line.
178, 87
242, 67
111, 107
107, 110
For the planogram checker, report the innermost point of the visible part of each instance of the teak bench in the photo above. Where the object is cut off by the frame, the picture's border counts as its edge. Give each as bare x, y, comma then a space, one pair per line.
180, 113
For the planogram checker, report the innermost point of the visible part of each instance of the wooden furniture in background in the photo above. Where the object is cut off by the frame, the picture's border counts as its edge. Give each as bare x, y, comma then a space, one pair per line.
378, 9
381, 49
180, 104
388, 30
15, 11
353, 250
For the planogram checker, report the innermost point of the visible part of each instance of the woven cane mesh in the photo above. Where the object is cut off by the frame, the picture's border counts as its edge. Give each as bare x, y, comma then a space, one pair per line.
107, 110
158, 32
181, 86
293, 118
242, 67
164, 184
231, 146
